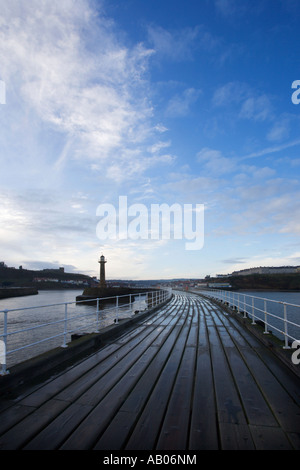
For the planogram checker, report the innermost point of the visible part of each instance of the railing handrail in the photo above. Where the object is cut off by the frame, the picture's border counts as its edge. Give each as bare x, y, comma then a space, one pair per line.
94, 299
249, 295
160, 296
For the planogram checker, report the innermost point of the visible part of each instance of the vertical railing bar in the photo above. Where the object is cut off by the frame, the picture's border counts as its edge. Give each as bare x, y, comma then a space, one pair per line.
97, 316
266, 319
4, 370
64, 345
253, 317
286, 344
117, 309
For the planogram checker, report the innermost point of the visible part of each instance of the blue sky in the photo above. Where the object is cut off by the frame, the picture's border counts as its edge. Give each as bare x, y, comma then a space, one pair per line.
159, 101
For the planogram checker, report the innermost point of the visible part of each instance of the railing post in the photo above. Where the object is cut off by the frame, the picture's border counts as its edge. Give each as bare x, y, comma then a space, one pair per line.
4, 371
266, 320
64, 345
245, 312
97, 316
253, 320
286, 344
117, 309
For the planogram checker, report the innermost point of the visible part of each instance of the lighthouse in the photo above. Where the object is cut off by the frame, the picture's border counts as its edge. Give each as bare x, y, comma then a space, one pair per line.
102, 262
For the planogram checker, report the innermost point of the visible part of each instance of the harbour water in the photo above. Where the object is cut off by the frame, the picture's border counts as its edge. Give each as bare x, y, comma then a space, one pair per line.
52, 317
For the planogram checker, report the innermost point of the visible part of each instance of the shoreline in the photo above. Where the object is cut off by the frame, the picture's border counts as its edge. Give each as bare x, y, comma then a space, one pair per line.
7, 292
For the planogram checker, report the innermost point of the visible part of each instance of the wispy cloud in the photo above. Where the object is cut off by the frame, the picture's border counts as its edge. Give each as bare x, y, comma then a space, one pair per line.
270, 150
89, 87
233, 8
213, 162
244, 101
181, 104
173, 45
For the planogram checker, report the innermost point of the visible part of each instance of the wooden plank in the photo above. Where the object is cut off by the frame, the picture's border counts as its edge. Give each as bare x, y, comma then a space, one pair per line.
287, 378
92, 377
102, 386
21, 433
13, 415
284, 407
66, 378
270, 438
235, 437
119, 429
87, 367
58, 430
87, 433
174, 432
229, 407
256, 407
203, 431
147, 428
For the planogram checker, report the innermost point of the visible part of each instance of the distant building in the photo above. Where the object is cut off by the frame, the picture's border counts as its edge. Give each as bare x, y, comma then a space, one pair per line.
219, 285
268, 270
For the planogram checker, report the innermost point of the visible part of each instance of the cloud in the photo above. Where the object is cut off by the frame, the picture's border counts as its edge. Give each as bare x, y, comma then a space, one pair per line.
281, 127
230, 93
233, 8
180, 104
233, 261
250, 103
155, 148
256, 108
175, 45
65, 68
270, 150
214, 162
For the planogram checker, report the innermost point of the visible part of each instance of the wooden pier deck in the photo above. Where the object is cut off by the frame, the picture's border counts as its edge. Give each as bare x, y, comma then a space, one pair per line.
189, 377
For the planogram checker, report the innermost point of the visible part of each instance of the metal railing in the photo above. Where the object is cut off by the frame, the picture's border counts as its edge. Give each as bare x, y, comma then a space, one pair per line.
283, 317
98, 307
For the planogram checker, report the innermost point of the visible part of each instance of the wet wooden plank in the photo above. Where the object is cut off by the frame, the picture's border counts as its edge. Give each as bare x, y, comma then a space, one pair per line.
27, 428
59, 429
13, 415
283, 406
175, 428
203, 430
229, 406
270, 438
257, 409
113, 374
121, 426
87, 434
235, 437
282, 373
147, 429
